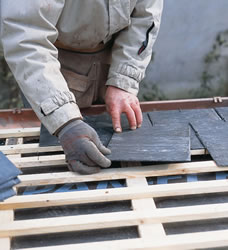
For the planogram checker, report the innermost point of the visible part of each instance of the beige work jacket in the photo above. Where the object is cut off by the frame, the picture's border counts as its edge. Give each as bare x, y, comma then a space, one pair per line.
29, 29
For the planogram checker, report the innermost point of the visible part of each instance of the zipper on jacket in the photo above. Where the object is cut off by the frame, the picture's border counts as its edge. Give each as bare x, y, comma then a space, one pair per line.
145, 43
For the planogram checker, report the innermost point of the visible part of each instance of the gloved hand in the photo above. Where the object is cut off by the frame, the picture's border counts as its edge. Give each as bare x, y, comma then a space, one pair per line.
83, 148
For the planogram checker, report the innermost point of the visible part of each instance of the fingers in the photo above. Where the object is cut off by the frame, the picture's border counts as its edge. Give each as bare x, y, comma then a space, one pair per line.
131, 118
79, 167
104, 150
138, 114
133, 113
134, 116
116, 121
119, 101
96, 156
86, 160
100, 146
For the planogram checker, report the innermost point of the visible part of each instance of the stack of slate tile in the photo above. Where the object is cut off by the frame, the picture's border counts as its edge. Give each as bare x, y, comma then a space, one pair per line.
165, 136
8, 177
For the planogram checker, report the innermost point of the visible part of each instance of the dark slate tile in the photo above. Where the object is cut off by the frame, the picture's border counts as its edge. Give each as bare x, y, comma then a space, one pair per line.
70, 210
146, 125
194, 141
185, 117
214, 136
8, 170
223, 113
103, 126
9, 184
6, 193
46, 139
165, 117
75, 237
101, 123
196, 115
162, 137
160, 143
174, 117
199, 114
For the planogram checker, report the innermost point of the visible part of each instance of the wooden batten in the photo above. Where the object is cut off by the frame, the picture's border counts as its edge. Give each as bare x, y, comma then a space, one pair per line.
144, 213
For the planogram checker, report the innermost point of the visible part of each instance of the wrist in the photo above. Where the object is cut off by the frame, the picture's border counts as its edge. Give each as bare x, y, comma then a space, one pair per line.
66, 126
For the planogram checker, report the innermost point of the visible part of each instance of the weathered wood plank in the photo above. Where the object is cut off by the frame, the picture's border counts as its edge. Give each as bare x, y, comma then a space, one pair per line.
19, 132
148, 232
214, 136
112, 219
96, 196
113, 174
30, 148
6, 216
34, 148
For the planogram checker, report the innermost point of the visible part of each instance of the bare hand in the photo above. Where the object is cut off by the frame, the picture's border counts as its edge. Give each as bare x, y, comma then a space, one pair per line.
119, 101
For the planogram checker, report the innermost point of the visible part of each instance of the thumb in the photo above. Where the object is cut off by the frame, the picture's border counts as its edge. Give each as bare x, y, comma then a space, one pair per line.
100, 146
79, 167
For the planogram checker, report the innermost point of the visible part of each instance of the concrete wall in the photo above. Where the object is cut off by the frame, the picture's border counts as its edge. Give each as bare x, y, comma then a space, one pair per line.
188, 32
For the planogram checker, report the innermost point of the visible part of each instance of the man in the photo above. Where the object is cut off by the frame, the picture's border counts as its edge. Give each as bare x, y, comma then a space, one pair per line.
91, 50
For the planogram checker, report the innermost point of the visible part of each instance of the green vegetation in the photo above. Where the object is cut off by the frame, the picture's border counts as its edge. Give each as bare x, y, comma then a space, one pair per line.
153, 93
214, 78
9, 94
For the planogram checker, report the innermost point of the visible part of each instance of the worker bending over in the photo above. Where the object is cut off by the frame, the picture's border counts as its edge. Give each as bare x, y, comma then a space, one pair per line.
68, 54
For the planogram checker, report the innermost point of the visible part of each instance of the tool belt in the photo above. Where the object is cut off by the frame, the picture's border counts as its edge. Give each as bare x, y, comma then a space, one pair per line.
86, 72
98, 48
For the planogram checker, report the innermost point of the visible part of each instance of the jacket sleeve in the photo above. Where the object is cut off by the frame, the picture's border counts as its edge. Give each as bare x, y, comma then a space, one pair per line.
27, 34
132, 48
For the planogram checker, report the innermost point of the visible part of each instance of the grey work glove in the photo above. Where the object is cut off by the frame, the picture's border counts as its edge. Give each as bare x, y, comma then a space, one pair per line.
83, 148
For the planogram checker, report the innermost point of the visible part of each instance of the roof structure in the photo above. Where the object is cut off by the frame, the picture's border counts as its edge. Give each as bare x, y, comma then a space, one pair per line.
132, 205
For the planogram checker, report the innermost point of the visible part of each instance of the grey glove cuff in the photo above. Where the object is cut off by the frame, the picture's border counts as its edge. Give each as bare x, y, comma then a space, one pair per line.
67, 127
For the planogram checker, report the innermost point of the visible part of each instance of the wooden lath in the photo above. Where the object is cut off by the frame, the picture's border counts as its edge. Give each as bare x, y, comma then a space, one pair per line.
103, 195
144, 214
115, 219
114, 174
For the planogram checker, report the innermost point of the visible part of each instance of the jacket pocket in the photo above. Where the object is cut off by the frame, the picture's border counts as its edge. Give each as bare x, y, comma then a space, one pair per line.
83, 87
119, 15
146, 41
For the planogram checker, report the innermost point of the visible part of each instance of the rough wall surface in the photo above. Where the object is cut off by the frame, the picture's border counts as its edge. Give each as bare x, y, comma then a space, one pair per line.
188, 32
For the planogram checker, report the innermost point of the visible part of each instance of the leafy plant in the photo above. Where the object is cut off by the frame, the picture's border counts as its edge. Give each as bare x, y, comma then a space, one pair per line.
214, 79
9, 94
153, 93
